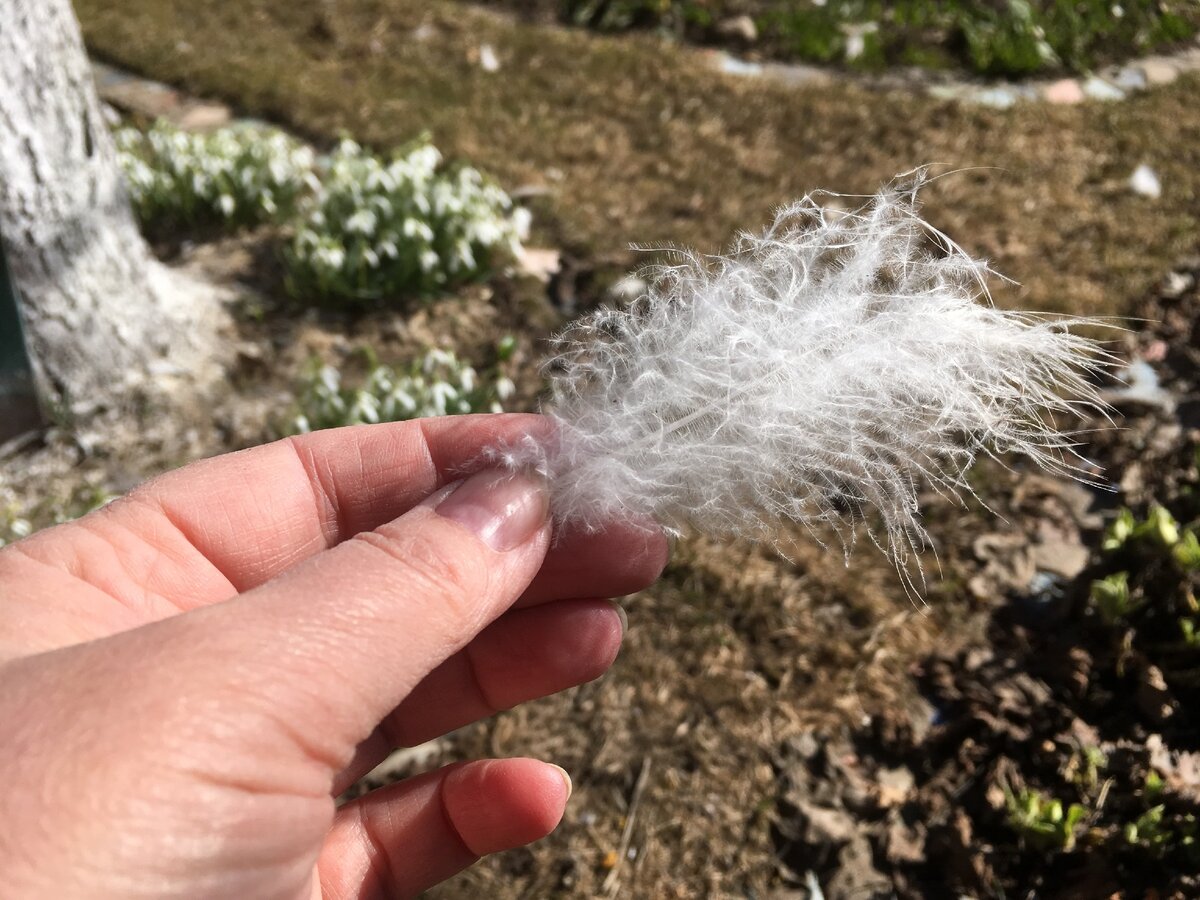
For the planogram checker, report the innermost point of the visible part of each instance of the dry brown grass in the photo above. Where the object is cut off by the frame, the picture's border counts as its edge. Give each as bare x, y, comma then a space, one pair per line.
637, 140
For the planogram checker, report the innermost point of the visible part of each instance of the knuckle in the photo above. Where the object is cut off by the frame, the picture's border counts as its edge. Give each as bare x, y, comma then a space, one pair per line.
451, 577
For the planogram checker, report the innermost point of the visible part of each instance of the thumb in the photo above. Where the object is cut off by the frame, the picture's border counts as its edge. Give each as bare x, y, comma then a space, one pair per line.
343, 637
314, 659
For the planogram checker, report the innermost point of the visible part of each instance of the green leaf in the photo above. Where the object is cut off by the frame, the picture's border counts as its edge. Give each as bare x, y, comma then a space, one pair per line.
1187, 552
1111, 597
1119, 531
1160, 527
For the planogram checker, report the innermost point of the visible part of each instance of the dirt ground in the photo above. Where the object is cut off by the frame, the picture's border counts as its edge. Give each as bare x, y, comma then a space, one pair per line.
636, 140
773, 722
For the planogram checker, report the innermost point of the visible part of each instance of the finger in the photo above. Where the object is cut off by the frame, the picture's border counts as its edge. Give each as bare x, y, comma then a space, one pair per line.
621, 559
202, 534
255, 513
329, 648
231, 523
402, 840
523, 655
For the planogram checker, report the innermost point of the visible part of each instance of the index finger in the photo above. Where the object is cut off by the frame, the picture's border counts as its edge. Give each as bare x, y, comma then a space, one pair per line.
255, 513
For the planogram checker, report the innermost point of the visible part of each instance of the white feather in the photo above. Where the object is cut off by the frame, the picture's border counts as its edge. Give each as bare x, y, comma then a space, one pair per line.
827, 367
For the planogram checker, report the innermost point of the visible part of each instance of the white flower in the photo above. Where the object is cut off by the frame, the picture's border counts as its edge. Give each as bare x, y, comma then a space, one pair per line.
405, 400
435, 358
466, 256
330, 378
440, 395
362, 222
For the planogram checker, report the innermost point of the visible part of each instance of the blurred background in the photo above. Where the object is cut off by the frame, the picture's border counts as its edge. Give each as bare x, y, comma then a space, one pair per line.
229, 222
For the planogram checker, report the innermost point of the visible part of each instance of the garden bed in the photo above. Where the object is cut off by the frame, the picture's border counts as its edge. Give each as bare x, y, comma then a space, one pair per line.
1010, 39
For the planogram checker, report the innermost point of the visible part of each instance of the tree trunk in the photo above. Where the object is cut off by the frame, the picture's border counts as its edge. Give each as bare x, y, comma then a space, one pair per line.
100, 314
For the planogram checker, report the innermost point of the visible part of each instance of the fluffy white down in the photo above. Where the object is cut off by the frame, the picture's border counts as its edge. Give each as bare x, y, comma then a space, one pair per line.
828, 367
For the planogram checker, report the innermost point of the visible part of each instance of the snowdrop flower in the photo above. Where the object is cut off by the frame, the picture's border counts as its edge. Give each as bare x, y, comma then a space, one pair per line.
330, 379
436, 358
332, 257
406, 401
441, 395
362, 222
429, 228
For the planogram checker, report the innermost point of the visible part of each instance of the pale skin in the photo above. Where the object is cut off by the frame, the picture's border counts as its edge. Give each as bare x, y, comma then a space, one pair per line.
191, 675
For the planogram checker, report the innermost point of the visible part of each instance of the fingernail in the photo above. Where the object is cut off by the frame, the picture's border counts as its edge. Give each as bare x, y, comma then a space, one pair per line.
621, 615
566, 779
503, 509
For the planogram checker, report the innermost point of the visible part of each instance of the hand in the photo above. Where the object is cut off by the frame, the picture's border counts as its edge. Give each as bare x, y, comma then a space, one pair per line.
189, 676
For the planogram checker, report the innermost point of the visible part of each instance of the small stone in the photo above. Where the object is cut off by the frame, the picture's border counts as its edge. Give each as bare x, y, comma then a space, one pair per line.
1158, 70
106, 75
488, 61
1099, 89
1155, 351
894, 786
741, 28
1144, 182
148, 98
1130, 78
827, 825
731, 65
1174, 286
204, 116
796, 73
1066, 91
538, 262
996, 97
948, 91
1059, 557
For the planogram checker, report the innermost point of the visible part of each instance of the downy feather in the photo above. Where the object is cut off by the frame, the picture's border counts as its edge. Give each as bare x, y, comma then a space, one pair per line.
826, 368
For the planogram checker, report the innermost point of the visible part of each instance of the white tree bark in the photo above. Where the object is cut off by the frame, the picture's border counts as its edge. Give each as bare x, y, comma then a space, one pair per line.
100, 314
